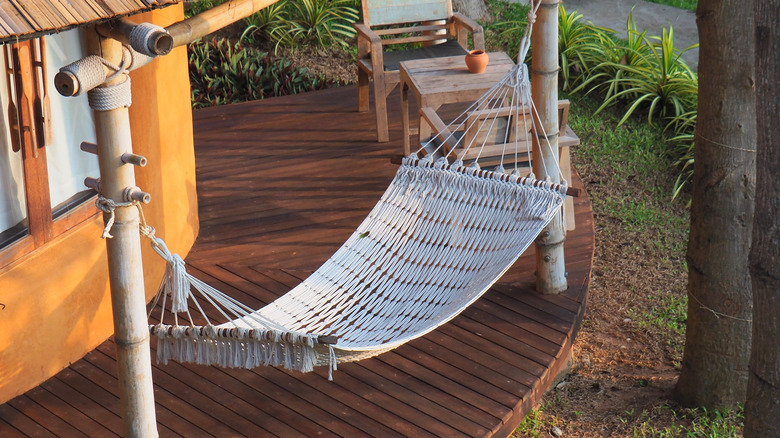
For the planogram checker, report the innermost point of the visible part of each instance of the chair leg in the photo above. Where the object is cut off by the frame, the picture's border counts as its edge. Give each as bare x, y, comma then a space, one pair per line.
363, 82
380, 103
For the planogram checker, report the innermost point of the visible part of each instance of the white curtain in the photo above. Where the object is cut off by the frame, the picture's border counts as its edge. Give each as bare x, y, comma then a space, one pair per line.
12, 205
72, 123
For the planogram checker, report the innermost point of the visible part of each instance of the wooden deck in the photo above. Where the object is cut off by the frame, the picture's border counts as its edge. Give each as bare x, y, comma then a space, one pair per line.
282, 183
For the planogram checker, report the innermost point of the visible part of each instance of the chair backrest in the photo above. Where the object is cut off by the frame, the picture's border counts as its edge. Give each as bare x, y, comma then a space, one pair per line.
497, 131
382, 12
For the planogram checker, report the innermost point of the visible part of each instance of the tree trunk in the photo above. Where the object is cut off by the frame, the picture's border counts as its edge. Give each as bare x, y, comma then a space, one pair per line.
763, 402
476, 9
717, 346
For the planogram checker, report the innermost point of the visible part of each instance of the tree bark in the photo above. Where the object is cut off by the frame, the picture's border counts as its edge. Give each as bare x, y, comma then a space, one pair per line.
476, 9
717, 346
763, 401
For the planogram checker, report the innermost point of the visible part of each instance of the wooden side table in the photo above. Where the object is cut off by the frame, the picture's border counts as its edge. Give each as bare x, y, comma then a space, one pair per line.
440, 81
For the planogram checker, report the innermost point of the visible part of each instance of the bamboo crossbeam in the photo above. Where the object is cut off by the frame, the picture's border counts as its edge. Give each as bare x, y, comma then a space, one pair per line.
160, 43
198, 26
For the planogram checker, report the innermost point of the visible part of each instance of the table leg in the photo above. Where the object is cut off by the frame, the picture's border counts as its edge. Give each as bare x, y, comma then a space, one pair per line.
405, 117
424, 128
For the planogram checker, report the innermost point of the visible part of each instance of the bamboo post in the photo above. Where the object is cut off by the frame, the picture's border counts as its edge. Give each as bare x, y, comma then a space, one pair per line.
550, 266
131, 328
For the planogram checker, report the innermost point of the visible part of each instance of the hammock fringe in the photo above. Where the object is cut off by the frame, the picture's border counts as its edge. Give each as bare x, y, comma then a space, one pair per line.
234, 348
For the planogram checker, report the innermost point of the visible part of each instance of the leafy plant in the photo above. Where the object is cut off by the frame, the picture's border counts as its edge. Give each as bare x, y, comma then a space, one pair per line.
682, 4
580, 47
269, 23
322, 21
508, 25
197, 6
653, 75
682, 142
222, 72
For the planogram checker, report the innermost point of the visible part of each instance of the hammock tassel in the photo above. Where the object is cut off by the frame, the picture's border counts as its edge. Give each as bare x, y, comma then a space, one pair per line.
177, 283
236, 347
332, 362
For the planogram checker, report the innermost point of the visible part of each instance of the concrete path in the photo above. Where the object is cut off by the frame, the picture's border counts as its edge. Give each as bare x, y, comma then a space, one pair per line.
650, 16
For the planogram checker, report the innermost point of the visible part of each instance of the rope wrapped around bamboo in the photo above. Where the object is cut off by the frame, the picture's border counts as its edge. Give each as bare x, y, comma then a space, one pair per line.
142, 38
90, 72
106, 98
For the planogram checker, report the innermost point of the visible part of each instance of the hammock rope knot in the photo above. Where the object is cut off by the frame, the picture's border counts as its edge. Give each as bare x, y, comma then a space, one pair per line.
108, 206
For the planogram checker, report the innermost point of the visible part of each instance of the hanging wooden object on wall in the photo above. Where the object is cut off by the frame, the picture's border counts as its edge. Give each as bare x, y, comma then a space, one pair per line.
13, 114
41, 104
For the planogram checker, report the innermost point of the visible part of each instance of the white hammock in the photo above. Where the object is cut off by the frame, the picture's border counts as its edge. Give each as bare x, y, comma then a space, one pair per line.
438, 238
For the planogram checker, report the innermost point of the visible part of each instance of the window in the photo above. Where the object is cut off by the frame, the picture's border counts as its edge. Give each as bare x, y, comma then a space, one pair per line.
42, 168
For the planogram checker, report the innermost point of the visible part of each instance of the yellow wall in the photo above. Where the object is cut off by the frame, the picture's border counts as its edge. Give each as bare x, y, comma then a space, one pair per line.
57, 303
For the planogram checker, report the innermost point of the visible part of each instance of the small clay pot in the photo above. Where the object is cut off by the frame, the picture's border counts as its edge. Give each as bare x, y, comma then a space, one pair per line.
476, 61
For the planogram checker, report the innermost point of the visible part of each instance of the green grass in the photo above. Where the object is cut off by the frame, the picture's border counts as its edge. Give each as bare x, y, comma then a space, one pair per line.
535, 424
633, 151
682, 4
664, 319
499, 33
693, 423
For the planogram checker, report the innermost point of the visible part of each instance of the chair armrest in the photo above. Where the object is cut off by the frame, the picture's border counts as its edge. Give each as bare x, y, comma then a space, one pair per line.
463, 22
365, 32
466, 22
369, 44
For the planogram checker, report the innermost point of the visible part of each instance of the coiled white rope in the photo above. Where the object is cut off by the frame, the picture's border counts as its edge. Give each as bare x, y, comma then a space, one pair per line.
141, 35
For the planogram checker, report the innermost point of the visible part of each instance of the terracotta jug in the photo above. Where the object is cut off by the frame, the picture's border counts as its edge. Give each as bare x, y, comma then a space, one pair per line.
476, 61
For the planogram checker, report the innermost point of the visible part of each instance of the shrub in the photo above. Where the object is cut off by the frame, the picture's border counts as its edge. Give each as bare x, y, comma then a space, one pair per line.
681, 145
268, 23
197, 6
580, 47
222, 72
321, 22
653, 75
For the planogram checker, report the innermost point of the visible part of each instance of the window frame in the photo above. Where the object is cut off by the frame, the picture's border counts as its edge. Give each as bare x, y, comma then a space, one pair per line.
30, 132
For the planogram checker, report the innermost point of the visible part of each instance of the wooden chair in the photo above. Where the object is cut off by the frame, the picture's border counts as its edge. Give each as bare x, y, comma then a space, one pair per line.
500, 137
391, 22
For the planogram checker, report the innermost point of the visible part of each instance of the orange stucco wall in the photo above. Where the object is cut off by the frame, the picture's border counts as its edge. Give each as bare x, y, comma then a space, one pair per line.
57, 302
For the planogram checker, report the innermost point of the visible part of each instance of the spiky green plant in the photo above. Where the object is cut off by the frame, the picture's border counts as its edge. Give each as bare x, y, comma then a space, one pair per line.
611, 55
682, 130
653, 76
322, 21
580, 47
269, 23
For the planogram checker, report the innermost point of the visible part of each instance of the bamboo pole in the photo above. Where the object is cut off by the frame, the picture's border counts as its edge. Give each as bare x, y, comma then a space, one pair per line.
159, 43
131, 328
550, 266
181, 33
214, 19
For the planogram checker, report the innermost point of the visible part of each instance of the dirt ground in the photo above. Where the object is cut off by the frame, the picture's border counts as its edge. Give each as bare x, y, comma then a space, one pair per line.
624, 373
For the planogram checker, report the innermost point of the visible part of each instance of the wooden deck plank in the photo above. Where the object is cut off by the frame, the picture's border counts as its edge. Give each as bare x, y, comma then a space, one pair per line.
82, 406
253, 405
14, 423
280, 187
102, 388
167, 406
66, 412
44, 417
